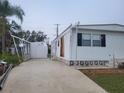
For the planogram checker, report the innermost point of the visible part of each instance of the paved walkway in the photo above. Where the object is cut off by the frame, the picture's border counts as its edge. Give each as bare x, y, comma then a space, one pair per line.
45, 76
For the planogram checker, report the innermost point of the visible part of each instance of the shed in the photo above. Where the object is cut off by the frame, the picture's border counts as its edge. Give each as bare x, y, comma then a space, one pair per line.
39, 50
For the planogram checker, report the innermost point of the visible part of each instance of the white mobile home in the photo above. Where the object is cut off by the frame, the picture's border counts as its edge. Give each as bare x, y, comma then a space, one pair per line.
90, 45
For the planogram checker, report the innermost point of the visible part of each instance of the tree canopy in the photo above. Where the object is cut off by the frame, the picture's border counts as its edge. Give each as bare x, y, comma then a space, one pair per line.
32, 36
8, 10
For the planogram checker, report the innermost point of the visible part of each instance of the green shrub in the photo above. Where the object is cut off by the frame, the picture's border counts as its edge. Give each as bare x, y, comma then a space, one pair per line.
10, 59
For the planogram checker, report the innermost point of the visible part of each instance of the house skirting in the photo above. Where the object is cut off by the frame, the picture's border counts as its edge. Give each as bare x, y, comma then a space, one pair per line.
83, 63
88, 63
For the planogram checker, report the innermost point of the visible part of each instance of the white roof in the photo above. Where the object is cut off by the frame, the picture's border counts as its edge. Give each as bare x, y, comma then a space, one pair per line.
106, 27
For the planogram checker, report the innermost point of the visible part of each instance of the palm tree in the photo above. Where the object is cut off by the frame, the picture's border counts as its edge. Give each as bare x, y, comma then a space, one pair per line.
8, 10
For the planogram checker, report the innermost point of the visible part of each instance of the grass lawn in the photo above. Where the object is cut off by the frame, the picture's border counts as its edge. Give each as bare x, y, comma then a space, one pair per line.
112, 83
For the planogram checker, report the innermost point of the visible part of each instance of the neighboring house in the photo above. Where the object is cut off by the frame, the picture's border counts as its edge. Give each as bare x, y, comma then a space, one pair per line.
90, 45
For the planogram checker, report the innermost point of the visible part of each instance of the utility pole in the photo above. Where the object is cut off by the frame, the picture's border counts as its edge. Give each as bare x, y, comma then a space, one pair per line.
57, 29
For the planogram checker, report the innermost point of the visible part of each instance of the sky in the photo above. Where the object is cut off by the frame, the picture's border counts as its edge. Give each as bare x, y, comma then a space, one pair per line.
44, 14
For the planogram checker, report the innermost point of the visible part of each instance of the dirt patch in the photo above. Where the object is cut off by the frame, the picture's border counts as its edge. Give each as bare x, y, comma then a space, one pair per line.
93, 72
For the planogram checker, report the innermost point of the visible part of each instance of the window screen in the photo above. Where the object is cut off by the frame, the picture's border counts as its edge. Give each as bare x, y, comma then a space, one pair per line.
86, 39
96, 40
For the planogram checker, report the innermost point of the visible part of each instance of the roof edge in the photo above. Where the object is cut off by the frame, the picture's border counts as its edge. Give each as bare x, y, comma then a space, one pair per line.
101, 24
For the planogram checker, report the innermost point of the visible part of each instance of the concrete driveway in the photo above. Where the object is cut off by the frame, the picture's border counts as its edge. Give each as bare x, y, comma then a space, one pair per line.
45, 76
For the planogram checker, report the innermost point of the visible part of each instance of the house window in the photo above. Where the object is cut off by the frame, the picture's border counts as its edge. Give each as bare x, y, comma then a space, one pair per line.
99, 40
86, 39
96, 40
79, 39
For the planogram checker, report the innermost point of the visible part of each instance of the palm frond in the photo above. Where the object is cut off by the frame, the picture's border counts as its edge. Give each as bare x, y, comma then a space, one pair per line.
18, 12
6, 9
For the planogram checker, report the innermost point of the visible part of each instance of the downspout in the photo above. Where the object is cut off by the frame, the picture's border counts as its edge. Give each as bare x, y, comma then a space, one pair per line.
76, 37
71, 43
